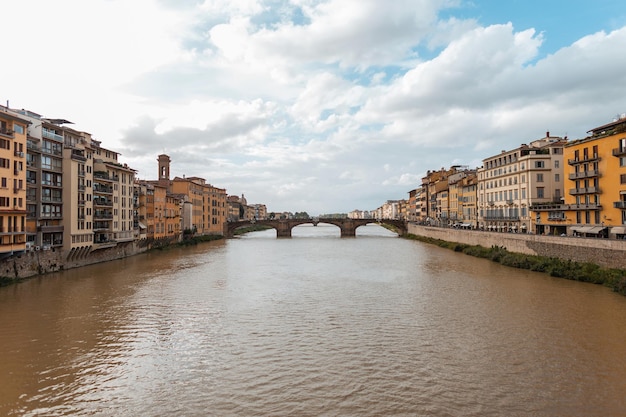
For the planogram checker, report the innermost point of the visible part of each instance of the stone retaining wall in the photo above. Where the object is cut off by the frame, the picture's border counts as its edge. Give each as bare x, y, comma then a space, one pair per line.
33, 263
607, 253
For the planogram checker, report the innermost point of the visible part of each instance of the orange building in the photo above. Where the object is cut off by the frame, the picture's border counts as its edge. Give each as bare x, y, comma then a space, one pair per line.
595, 176
13, 131
208, 203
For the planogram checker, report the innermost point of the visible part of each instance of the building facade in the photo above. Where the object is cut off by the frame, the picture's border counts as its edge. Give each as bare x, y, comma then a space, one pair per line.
511, 182
13, 163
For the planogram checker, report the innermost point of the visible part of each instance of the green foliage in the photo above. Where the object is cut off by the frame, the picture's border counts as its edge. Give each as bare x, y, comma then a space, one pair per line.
556, 267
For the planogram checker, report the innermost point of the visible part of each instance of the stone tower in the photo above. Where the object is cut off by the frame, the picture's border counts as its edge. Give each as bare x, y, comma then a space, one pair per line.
164, 169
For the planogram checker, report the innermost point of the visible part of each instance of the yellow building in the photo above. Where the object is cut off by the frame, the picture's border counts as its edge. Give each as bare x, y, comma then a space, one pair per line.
595, 198
13, 131
208, 203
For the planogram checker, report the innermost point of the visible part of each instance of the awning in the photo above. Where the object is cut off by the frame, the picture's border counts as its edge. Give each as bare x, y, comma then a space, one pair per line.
618, 230
588, 229
465, 224
142, 226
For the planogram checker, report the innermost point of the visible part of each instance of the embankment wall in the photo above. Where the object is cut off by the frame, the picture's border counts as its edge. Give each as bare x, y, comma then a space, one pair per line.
40, 262
608, 253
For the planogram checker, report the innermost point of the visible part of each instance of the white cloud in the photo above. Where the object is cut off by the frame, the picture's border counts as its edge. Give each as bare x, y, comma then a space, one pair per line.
307, 105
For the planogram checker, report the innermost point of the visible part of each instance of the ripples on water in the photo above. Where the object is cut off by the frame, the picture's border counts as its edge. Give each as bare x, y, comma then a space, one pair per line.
307, 326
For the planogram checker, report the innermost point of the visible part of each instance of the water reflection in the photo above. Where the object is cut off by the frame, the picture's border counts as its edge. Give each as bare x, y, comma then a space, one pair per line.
312, 325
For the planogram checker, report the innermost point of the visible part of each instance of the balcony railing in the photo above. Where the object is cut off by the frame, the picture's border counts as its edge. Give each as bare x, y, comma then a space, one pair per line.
49, 134
576, 161
102, 202
584, 174
579, 207
502, 218
97, 188
620, 204
7, 132
586, 190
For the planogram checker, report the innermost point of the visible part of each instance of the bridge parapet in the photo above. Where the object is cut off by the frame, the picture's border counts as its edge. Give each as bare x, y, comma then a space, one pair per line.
283, 227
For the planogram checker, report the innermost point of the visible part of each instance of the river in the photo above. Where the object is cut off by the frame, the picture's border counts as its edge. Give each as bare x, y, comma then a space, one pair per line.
313, 325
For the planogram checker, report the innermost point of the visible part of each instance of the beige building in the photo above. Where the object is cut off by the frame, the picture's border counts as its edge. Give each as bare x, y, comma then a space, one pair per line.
467, 200
260, 211
510, 182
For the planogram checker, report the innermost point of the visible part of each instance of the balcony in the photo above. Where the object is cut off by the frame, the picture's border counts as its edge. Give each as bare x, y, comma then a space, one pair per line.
501, 218
7, 132
102, 202
50, 229
100, 175
584, 159
581, 207
547, 207
51, 215
33, 147
51, 134
619, 204
619, 152
586, 190
97, 188
19, 154
78, 156
584, 174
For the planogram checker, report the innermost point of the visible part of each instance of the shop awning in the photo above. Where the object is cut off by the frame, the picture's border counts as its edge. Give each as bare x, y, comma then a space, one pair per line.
142, 226
588, 229
618, 230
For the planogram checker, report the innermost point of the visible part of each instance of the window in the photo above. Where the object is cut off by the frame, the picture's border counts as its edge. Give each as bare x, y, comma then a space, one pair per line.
556, 163
622, 179
540, 191
539, 177
539, 164
557, 177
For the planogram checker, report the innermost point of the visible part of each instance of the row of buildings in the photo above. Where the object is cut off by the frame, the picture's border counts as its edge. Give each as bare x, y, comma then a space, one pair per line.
550, 186
60, 189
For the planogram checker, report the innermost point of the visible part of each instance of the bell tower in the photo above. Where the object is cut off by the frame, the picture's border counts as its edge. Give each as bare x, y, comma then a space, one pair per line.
164, 168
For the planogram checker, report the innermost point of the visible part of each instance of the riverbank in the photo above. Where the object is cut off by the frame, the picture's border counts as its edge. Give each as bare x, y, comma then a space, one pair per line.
578, 271
37, 263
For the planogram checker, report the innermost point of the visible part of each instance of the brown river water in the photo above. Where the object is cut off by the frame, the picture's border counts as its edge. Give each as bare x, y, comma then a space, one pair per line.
313, 325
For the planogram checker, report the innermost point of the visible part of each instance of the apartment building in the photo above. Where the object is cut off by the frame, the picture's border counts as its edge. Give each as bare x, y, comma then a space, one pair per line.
113, 189
468, 200
436, 196
207, 203
414, 196
595, 201
510, 182
216, 210
13, 162
260, 211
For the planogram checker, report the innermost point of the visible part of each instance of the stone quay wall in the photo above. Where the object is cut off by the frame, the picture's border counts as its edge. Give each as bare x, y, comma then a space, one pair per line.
608, 253
32, 263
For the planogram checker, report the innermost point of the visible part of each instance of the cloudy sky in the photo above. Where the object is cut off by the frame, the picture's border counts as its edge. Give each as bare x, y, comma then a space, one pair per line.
316, 105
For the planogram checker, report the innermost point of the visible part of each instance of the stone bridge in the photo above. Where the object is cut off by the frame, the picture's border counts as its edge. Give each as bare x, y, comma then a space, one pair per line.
283, 227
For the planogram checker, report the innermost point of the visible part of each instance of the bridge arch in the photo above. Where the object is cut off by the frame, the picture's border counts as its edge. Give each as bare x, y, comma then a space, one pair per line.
283, 226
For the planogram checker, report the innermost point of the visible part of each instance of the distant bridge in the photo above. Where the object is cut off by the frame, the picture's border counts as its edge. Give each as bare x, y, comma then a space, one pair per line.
283, 226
